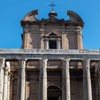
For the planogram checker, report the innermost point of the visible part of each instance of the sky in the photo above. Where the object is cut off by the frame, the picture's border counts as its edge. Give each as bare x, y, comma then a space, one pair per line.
13, 11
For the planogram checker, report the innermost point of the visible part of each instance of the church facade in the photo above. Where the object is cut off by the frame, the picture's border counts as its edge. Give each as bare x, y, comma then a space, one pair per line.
52, 63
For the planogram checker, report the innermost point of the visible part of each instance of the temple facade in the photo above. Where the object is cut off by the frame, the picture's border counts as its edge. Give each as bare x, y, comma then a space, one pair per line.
52, 63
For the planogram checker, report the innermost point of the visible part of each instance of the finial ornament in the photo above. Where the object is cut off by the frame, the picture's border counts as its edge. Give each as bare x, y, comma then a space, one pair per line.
52, 5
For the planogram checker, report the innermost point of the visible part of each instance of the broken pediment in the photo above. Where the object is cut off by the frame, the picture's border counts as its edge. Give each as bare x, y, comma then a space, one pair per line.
74, 17
31, 16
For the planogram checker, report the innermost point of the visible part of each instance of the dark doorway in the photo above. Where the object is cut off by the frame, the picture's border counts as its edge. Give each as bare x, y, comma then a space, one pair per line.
52, 98
54, 93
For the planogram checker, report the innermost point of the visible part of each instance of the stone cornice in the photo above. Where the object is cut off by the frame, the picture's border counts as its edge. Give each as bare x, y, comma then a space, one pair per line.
48, 22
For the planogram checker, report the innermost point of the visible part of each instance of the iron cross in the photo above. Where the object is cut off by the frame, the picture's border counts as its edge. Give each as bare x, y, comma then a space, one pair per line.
52, 5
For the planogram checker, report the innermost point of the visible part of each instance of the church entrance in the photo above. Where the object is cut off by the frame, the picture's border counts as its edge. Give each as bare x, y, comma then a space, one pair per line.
54, 93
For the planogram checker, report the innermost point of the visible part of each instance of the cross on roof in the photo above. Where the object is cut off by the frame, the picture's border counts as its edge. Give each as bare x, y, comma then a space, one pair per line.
52, 5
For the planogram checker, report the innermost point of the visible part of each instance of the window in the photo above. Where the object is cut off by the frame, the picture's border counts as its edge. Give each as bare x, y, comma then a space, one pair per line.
52, 41
52, 44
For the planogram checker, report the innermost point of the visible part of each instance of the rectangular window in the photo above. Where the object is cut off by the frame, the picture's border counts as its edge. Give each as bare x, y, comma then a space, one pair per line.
52, 44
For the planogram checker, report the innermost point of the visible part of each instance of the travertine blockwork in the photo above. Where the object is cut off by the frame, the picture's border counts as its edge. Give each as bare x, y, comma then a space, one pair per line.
37, 32
47, 69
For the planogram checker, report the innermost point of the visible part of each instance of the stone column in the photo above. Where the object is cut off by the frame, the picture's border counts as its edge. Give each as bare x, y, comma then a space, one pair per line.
43, 80
21, 80
87, 80
58, 43
66, 80
97, 71
5, 86
8, 84
2, 65
46, 43
97, 80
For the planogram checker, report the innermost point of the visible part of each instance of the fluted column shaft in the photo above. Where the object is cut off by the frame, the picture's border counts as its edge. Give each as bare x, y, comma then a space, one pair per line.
21, 80
66, 80
2, 65
87, 80
43, 79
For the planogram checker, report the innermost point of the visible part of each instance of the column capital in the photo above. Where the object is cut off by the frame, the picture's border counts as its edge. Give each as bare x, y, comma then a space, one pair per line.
66, 63
66, 60
7, 68
87, 59
59, 39
43, 60
46, 39
63, 32
86, 63
22, 63
43, 63
2, 63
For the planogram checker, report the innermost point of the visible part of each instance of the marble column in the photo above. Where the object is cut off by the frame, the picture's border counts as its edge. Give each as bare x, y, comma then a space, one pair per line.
21, 79
2, 65
66, 80
43, 79
87, 88
8, 84
6, 76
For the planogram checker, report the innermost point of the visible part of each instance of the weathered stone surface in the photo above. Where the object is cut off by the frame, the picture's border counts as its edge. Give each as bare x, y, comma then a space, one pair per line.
48, 74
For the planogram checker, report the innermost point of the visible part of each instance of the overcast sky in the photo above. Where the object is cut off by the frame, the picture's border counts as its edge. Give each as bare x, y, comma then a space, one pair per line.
13, 11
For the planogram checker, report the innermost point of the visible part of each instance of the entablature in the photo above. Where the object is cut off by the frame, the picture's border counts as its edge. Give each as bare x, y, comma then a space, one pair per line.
49, 54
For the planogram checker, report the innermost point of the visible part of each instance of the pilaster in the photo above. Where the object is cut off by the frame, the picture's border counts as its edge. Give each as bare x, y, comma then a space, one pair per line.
78, 32
42, 32
46, 43
58, 43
